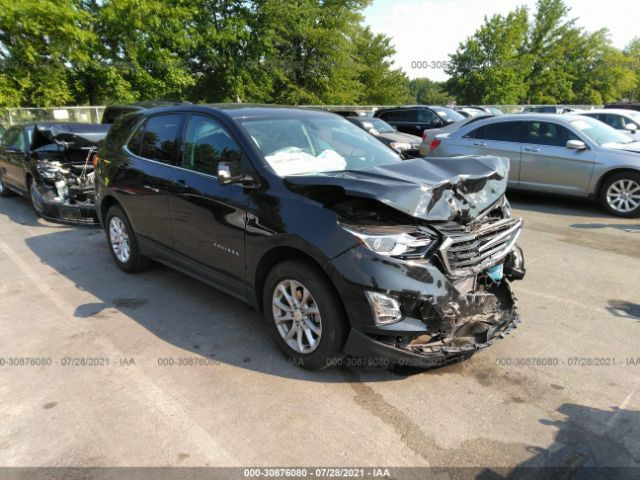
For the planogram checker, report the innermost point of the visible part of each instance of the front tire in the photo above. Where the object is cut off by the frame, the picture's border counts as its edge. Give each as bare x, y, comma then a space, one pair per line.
4, 191
305, 315
620, 195
34, 197
123, 243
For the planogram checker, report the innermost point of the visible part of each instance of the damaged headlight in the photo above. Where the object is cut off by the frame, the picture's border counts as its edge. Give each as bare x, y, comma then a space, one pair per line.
50, 173
50, 170
415, 243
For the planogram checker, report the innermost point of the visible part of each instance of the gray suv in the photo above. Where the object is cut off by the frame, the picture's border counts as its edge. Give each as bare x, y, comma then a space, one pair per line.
562, 154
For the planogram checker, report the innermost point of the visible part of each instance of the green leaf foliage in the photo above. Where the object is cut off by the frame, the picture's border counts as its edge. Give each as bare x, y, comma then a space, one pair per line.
543, 59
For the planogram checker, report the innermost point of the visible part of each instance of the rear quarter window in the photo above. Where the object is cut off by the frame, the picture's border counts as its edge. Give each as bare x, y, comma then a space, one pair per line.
160, 138
120, 132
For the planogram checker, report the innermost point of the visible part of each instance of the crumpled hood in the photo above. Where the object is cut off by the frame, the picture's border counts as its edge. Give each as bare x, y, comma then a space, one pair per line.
434, 189
75, 135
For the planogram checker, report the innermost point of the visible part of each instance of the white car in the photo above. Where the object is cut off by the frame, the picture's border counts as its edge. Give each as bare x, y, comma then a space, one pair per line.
625, 121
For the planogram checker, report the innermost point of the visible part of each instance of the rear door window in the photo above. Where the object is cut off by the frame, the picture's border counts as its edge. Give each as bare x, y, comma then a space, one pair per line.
426, 116
400, 116
161, 137
503, 132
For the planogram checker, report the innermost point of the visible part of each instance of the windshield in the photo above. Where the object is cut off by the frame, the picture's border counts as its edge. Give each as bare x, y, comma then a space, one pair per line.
635, 116
599, 132
448, 115
380, 125
311, 145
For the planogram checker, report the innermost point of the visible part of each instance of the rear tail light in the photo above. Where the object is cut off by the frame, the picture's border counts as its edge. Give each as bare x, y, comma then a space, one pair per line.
435, 144
424, 136
95, 160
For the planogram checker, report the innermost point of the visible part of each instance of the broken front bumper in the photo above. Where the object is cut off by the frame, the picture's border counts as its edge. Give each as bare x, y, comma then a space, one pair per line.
443, 319
77, 211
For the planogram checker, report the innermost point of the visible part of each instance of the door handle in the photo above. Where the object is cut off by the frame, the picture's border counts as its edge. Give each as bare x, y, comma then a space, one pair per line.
479, 144
530, 149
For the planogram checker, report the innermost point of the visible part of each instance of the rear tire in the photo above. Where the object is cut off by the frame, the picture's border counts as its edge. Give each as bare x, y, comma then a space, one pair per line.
620, 194
123, 243
305, 315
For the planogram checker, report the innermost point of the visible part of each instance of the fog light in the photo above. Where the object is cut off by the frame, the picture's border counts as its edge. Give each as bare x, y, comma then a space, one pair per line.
385, 309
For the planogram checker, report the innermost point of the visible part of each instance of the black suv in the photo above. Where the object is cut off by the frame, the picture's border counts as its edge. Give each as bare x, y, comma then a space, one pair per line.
418, 118
345, 247
114, 111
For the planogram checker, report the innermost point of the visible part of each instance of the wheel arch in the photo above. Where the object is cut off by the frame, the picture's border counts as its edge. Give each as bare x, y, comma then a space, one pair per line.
106, 203
610, 173
278, 254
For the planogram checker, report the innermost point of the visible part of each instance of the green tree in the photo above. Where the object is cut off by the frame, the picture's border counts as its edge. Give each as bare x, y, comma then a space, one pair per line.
490, 67
40, 43
380, 83
311, 54
547, 60
552, 46
427, 92
107, 51
602, 73
632, 60
146, 43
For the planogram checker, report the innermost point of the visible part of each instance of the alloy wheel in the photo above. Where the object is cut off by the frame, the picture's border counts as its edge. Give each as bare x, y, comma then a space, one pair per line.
623, 196
297, 316
119, 240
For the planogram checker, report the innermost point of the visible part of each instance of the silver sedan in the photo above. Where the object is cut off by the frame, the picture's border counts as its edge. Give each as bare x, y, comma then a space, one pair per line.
560, 154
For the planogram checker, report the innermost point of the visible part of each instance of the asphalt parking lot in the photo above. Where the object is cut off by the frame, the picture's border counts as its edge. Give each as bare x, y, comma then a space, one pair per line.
186, 376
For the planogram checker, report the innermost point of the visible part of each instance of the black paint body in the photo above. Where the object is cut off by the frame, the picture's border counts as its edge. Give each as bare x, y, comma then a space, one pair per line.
230, 236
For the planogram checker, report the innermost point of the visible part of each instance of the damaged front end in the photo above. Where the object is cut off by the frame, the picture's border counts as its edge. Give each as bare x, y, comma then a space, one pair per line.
61, 162
429, 281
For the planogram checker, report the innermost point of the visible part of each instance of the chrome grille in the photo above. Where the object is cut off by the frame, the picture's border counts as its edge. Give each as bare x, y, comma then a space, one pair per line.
468, 250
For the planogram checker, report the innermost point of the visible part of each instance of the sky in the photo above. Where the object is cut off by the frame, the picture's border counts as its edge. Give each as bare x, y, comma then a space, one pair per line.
430, 30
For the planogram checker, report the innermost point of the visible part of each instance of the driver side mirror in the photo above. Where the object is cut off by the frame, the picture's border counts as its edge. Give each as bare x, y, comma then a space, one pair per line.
632, 127
576, 145
229, 173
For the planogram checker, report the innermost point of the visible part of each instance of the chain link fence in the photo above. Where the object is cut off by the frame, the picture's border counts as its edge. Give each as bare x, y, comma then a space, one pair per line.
11, 116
